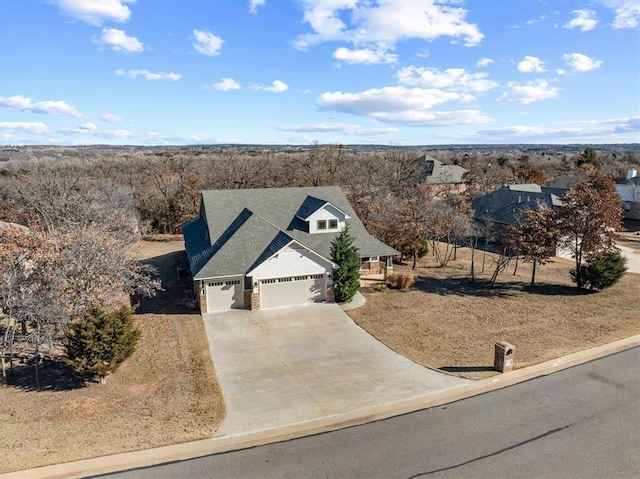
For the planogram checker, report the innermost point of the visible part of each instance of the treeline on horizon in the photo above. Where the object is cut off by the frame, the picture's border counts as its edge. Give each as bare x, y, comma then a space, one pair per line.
158, 187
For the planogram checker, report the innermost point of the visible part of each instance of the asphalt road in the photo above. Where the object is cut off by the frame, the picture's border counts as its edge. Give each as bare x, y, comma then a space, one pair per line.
582, 422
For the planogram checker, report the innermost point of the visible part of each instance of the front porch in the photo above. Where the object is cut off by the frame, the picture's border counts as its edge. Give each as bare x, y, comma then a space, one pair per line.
369, 279
375, 269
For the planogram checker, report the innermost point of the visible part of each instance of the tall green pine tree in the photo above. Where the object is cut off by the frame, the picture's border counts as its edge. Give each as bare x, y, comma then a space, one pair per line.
100, 341
346, 279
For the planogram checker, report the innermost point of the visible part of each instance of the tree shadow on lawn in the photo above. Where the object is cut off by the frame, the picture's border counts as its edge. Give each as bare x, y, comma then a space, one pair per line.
484, 289
465, 287
176, 296
52, 375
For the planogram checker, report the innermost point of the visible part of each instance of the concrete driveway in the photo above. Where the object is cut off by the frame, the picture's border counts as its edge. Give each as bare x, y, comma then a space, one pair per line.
290, 365
633, 259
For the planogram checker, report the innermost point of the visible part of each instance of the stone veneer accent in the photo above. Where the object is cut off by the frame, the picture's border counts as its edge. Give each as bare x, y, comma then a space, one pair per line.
202, 298
251, 300
331, 297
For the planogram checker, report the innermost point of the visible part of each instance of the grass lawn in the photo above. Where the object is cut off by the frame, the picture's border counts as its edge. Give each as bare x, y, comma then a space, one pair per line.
166, 393
447, 322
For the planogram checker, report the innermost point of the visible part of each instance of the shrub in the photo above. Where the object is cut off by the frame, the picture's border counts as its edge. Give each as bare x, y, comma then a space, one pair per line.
100, 341
602, 272
401, 280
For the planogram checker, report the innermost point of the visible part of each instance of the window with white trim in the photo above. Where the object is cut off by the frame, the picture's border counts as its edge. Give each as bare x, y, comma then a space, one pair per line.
322, 224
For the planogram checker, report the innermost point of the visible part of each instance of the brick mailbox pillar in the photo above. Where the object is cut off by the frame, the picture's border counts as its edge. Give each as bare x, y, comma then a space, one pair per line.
503, 357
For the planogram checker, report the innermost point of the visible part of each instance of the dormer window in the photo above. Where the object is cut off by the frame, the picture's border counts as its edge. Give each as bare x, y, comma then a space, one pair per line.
326, 225
321, 216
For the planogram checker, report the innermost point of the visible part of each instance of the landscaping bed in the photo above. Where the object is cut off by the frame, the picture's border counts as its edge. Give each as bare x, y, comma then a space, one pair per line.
447, 322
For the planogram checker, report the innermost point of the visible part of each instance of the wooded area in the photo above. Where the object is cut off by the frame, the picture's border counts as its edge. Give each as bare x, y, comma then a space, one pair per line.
86, 207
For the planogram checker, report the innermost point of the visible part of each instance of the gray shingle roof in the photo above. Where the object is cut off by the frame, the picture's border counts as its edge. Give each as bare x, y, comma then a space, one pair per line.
506, 204
437, 173
245, 227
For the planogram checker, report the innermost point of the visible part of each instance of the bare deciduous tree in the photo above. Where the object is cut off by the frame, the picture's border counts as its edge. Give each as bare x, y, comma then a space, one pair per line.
588, 219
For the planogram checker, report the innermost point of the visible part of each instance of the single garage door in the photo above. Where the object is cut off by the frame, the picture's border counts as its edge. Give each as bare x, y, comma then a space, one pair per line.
223, 295
292, 290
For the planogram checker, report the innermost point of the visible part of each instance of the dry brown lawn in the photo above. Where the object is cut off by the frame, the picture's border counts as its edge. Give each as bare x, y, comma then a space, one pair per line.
166, 393
447, 322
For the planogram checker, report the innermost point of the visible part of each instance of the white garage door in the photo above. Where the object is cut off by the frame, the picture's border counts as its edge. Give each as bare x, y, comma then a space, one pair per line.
223, 295
292, 290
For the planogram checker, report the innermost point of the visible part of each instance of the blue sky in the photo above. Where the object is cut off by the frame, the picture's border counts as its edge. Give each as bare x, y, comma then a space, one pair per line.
391, 72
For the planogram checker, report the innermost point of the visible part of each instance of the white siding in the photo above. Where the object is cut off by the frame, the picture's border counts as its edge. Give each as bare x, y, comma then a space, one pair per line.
328, 212
290, 261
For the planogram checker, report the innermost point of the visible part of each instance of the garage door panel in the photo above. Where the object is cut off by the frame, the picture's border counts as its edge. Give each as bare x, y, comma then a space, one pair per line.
222, 295
292, 290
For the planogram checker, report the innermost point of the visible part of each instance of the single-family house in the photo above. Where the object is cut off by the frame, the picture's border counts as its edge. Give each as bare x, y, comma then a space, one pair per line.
629, 190
503, 207
437, 174
269, 247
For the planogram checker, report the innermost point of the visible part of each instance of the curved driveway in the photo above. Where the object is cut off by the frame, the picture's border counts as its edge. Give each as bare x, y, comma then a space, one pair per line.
291, 365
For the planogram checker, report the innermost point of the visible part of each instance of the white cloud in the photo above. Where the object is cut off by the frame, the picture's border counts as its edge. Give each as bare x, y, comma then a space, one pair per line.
627, 13
88, 126
539, 19
364, 56
385, 22
119, 41
402, 105
455, 79
254, 4
94, 132
28, 126
435, 118
95, 12
585, 20
60, 107
602, 130
225, 84
580, 62
346, 128
276, 87
110, 118
387, 99
149, 75
531, 65
529, 92
484, 62
207, 43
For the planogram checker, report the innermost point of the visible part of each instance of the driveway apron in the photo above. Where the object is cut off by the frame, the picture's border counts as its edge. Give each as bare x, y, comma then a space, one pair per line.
289, 365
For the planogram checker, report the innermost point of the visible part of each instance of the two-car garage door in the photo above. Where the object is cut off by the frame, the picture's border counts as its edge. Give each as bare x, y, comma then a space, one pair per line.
291, 290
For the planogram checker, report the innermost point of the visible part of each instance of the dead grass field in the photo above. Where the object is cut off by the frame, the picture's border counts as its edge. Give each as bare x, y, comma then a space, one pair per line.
166, 393
447, 322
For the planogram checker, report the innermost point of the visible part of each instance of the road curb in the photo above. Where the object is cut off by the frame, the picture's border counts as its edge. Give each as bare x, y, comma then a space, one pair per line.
190, 450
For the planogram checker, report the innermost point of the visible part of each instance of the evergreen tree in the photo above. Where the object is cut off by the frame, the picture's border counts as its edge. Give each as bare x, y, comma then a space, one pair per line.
603, 272
346, 279
100, 341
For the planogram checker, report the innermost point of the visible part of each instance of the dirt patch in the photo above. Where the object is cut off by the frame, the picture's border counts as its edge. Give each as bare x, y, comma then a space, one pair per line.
447, 322
166, 393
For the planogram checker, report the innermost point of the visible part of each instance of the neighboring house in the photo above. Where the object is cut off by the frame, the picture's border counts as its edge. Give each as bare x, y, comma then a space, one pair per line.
629, 190
503, 207
262, 248
436, 173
